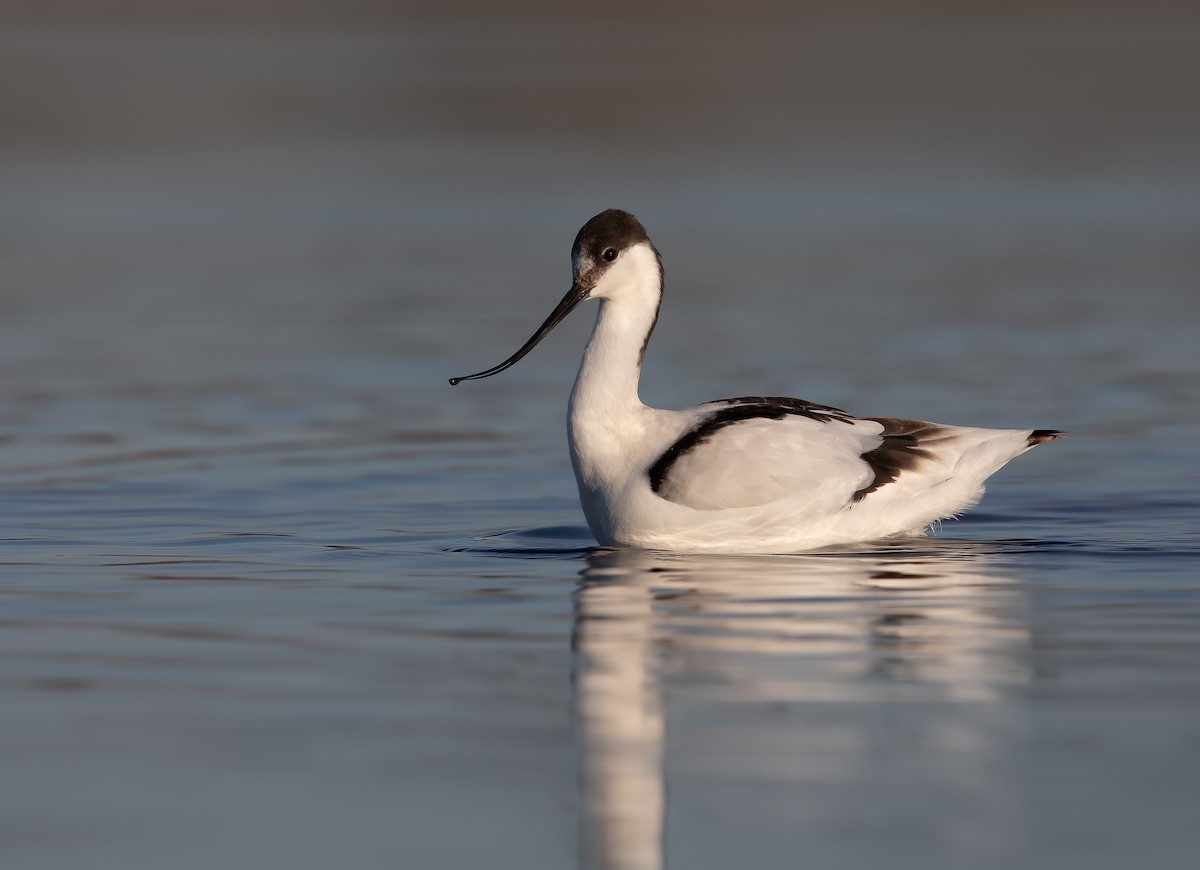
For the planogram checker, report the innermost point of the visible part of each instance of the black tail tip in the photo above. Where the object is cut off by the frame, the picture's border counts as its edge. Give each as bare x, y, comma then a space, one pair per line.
1041, 436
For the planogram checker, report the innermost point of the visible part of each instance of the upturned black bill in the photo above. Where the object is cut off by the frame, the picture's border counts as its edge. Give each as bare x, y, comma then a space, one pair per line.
574, 296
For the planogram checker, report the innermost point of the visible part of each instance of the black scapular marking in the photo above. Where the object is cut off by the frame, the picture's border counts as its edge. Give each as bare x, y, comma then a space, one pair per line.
736, 411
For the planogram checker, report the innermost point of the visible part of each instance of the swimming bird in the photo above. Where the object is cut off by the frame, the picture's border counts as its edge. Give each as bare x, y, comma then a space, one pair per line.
756, 474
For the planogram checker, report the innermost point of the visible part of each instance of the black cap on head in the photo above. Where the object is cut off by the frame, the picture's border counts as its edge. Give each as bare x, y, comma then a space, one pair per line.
609, 229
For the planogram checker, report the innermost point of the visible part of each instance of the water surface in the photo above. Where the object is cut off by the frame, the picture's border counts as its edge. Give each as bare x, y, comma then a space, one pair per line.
271, 592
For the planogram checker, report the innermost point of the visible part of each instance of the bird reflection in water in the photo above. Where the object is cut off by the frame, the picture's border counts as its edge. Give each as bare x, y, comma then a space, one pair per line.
940, 623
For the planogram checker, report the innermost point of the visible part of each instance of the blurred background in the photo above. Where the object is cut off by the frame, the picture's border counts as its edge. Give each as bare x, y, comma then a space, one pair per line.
272, 588
203, 181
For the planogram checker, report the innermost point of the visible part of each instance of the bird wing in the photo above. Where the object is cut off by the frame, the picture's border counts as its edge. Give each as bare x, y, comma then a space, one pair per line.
757, 450
754, 451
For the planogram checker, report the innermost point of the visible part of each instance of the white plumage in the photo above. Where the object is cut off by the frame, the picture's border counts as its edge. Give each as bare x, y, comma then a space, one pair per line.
749, 475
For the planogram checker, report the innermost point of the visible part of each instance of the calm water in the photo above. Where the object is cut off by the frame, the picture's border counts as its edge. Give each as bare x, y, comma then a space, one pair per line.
273, 594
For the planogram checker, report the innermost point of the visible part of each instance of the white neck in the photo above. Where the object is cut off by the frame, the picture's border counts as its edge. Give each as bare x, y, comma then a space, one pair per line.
604, 413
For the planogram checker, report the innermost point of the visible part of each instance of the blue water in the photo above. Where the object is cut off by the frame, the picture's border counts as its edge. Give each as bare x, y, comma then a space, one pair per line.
272, 593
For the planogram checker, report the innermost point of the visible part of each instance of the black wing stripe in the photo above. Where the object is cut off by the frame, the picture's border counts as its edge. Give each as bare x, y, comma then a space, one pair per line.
902, 450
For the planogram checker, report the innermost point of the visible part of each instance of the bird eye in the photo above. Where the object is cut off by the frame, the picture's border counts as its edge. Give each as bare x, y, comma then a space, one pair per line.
609, 254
